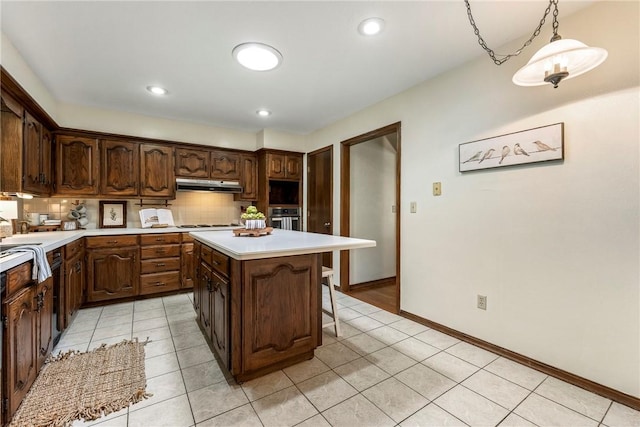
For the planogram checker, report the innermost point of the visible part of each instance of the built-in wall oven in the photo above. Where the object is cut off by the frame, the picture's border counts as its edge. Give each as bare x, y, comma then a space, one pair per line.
285, 218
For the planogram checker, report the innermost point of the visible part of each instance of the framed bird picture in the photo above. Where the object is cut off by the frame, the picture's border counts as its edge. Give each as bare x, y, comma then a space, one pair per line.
542, 144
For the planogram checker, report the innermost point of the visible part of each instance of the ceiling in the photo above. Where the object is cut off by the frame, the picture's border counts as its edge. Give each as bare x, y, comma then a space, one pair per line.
105, 54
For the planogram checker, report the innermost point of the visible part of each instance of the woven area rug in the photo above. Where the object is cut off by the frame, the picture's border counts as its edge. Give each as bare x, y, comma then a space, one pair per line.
76, 385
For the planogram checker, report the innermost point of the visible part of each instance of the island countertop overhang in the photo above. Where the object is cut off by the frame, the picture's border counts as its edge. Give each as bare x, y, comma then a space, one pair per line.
278, 244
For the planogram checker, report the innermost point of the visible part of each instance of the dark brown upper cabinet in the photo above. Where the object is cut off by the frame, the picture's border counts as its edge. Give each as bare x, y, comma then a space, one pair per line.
77, 166
157, 177
284, 166
225, 165
248, 177
37, 157
192, 163
120, 168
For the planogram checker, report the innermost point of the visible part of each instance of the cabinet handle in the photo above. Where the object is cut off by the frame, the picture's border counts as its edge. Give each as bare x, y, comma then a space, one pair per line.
161, 264
113, 242
160, 251
159, 239
159, 284
215, 262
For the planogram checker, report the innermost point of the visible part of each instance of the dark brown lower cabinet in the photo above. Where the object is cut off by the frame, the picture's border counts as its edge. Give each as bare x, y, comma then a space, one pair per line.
74, 285
259, 315
112, 273
22, 361
44, 313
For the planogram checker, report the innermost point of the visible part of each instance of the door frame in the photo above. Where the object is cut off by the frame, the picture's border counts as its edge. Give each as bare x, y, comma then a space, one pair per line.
345, 200
330, 198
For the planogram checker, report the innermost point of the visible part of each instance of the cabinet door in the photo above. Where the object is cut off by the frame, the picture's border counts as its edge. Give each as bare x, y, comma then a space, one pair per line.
279, 302
187, 266
294, 167
33, 178
157, 177
119, 168
225, 165
21, 347
74, 286
197, 283
248, 178
276, 168
44, 308
11, 144
220, 317
46, 148
192, 163
112, 273
206, 281
77, 166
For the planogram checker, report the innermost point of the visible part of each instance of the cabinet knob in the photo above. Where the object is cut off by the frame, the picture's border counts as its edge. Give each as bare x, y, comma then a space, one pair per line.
112, 242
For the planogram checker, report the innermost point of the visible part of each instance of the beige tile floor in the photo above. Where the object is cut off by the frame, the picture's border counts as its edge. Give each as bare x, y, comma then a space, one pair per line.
384, 371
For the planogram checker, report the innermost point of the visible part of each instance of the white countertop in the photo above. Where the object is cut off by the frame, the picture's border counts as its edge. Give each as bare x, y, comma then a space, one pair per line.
279, 243
51, 240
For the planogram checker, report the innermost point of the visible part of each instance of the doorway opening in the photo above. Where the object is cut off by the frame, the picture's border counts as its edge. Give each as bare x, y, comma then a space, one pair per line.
370, 209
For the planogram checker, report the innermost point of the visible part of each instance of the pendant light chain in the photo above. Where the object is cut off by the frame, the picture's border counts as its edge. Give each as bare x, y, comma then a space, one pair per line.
505, 58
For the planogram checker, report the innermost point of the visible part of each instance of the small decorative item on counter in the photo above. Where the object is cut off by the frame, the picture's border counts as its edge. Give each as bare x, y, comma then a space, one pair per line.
253, 220
79, 213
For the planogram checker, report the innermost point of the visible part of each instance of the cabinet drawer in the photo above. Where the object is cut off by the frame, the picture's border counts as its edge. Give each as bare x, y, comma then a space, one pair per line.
112, 241
73, 248
159, 264
186, 238
159, 282
159, 239
165, 251
215, 259
19, 277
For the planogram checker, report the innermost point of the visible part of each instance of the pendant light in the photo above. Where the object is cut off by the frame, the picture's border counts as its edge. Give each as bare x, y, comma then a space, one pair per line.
561, 59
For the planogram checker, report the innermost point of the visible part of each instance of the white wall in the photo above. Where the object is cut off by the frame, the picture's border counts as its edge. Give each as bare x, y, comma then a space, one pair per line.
555, 247
373, 193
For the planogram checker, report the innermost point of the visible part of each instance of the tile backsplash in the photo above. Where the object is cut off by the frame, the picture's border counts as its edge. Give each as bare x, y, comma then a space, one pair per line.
187, 208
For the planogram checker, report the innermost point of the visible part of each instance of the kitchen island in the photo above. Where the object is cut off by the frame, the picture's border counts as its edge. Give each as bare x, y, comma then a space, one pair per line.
258, 299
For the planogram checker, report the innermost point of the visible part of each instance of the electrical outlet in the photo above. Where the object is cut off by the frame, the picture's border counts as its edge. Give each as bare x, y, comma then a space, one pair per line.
393, 208
413, 207
482, 302
437, 189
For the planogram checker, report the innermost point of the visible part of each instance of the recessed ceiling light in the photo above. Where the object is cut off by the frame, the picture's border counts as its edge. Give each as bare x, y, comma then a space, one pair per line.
257, 56
157, 90
371, 26
263, 113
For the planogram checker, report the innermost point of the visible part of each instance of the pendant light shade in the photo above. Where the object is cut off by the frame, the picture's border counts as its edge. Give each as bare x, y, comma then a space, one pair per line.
561, 59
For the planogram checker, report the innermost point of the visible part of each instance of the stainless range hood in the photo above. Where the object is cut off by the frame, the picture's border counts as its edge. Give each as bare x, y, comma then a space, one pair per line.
184, 184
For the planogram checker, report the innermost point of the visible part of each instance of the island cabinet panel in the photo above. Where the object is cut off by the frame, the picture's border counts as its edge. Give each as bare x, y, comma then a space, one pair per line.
206, 281
197, 283
219, 306
157, 176
280, 311
192, 163
20, 368
112, 273
225, 165
119, 168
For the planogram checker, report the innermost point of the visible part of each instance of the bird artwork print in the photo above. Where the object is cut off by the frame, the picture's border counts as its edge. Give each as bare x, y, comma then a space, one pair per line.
505, 153
487, 155
543, 147
474, 157
517, 149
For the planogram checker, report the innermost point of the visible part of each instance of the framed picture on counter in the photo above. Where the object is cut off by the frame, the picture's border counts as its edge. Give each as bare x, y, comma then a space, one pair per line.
113, 214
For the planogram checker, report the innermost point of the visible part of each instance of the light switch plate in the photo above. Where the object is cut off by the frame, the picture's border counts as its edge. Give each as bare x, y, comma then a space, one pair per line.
437, 188
413, 207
